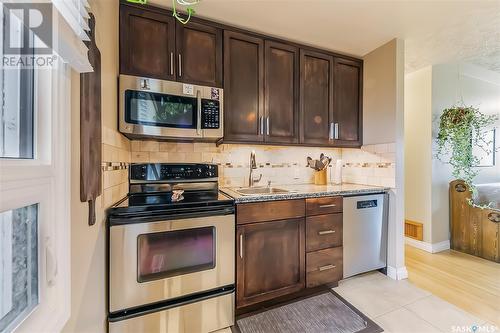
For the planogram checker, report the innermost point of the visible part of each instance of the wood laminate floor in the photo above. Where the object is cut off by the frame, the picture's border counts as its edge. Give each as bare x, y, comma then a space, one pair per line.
469, 282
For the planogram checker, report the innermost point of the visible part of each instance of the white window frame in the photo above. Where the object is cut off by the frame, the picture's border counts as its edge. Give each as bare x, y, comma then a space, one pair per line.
46, 180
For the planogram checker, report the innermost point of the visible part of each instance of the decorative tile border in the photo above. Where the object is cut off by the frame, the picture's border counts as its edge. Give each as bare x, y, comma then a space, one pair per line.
369, 165
112, 166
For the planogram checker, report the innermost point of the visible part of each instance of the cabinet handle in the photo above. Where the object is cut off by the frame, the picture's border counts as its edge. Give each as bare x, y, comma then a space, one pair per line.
336, 131
327, 206
261, 121
327, 267
241, 246
326, 232
330, 132
180, 65
198, 123
171, 63
267, 126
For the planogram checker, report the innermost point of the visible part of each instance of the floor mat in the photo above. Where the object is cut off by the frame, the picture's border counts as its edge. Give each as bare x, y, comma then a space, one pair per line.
326, 312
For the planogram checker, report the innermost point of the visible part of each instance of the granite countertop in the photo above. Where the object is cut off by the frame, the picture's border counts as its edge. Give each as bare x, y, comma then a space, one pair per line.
300, 191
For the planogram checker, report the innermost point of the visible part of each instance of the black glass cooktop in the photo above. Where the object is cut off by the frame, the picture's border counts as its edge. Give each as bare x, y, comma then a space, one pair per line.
190, 202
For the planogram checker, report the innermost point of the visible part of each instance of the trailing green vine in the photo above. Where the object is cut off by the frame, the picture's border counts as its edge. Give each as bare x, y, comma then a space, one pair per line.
460, 129
189, 8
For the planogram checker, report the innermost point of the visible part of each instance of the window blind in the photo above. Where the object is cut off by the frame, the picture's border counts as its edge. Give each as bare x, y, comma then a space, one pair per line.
75, 12
72, 32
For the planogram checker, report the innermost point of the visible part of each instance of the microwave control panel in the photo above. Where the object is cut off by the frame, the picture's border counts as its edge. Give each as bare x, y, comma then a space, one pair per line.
210, 114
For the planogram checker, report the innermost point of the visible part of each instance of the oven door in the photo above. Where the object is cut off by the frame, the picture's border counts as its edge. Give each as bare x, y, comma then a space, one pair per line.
161, 260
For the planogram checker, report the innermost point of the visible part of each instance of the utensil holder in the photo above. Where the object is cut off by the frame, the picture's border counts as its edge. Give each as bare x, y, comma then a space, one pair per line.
320, 177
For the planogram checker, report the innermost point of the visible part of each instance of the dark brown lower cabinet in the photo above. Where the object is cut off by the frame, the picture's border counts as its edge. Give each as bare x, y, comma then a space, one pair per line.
324, 266
270, 260
286, 246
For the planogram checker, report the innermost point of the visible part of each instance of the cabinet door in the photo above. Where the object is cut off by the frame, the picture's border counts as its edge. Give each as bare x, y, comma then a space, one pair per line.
348, 100
199, 54
281, 92
243, 88
147, 43
316, 97
270, 261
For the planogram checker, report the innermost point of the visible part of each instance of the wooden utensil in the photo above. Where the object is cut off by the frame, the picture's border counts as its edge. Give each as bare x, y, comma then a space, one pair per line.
90, 127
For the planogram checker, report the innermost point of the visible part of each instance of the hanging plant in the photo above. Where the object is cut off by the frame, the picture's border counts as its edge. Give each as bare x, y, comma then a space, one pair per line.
187, 3
460, 129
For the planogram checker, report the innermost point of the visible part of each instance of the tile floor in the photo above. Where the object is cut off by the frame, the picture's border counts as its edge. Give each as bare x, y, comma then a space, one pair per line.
401, 307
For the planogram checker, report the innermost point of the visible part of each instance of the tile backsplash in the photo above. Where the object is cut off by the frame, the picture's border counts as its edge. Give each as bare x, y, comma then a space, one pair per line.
371, 165
115, 160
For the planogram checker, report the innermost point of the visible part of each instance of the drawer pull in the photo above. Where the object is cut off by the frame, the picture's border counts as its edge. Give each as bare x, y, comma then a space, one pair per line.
325, 232
326, 206
326, 267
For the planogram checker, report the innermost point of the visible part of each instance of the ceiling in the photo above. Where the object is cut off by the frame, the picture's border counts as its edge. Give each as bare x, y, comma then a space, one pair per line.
434, 31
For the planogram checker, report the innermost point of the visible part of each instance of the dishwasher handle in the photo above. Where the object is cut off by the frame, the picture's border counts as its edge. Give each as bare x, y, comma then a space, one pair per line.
362, 204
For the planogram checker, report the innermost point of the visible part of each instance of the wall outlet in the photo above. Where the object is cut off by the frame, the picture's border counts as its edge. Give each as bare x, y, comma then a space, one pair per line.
188, 89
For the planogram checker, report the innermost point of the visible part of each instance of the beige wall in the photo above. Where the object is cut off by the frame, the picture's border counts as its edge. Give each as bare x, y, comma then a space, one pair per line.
428, 92
88, 264
418, 147
383, 122
480, 88
379, 95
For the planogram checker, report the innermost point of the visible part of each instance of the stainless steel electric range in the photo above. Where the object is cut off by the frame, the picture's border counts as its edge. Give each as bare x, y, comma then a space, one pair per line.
171, 252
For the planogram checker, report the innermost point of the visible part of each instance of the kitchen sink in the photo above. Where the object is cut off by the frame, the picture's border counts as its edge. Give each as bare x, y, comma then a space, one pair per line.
261, 190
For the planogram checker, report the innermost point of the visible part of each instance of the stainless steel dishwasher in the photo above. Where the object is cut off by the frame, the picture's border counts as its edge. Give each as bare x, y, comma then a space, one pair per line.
365, 233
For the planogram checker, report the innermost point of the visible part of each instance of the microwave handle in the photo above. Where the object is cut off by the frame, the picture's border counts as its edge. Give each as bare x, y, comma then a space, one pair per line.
198, 123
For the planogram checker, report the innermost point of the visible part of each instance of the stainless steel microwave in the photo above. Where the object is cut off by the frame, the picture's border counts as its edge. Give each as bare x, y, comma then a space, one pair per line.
159, 109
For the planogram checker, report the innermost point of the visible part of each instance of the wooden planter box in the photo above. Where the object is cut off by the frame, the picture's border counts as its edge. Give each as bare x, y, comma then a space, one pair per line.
473, 230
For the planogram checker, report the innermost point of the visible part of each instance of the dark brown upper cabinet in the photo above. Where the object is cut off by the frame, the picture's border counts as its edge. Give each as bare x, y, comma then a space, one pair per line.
347, 116
199, 54
147, 43
153, 44
271, 261
316, 98
243, 88
275, 91
281, 83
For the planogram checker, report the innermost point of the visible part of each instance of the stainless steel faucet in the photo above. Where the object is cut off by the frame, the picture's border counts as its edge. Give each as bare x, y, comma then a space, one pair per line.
253, 166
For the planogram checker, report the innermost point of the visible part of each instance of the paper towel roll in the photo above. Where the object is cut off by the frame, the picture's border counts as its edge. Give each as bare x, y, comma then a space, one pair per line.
337, 173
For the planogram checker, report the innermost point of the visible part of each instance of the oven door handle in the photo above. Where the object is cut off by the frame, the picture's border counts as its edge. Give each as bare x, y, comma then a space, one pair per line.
198, 124
147, 217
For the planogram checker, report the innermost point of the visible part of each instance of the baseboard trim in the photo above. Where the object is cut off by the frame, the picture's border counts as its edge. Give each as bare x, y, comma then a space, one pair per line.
397, 273
428, 247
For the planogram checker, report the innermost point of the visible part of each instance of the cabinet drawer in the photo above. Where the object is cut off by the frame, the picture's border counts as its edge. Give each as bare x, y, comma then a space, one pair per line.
269, 211
323, 231
324, 266
326, 205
